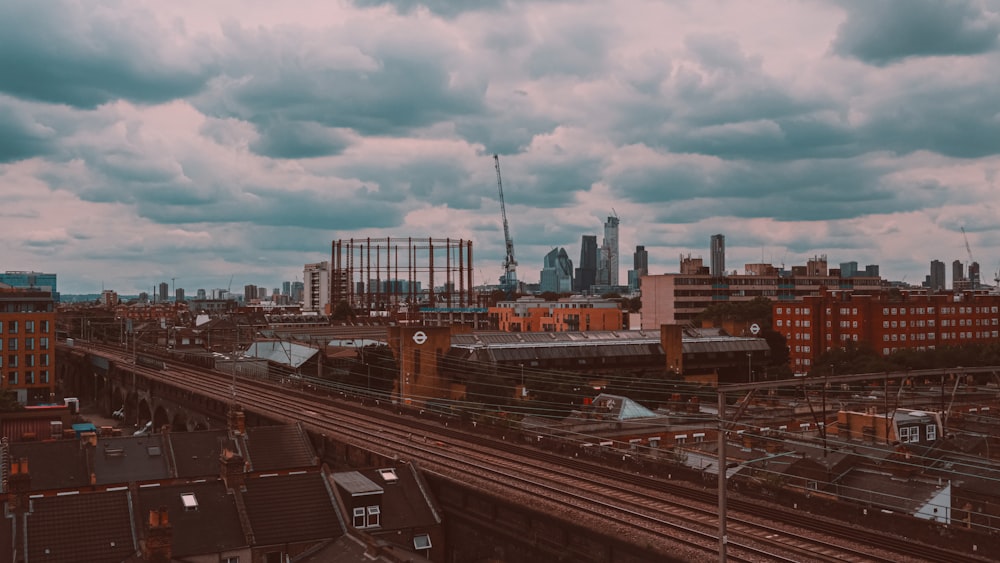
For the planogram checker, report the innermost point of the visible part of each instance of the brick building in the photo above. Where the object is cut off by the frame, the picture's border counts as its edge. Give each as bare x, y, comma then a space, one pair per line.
533, 314
887, 322
27, 344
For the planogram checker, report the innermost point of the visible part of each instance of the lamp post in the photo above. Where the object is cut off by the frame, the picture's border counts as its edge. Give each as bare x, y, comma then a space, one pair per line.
750, 367
524, 391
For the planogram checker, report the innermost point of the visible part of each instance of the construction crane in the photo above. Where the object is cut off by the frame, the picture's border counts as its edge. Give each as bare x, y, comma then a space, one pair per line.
973, 280
508, 281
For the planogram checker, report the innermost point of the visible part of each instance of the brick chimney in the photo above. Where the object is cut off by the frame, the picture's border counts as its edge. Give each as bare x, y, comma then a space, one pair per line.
159, 536
19, 483
232, 469
236, 420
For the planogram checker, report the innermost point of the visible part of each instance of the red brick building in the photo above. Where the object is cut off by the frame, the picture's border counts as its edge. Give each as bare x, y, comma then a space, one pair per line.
534, 314
885, 322
27, 344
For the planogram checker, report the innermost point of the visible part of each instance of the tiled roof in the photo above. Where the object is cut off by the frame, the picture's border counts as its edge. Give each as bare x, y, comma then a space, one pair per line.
213, 526
92, 527
59, 464
291, 508
130, 459
279, 447
196, 454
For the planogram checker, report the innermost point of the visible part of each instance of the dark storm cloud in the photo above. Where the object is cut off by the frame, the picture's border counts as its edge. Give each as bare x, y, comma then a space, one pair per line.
552, 183
815, 190
21, 136
275, 78
888, 31
285, 139
84, 56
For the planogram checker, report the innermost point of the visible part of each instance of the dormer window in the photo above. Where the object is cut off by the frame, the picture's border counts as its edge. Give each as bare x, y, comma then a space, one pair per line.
374, 514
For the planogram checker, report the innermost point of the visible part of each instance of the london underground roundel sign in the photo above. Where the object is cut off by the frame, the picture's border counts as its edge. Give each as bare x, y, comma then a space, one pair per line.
754, 329
420, 337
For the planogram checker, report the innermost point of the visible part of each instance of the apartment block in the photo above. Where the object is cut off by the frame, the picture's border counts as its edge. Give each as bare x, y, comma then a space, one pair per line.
28, 344
885, 322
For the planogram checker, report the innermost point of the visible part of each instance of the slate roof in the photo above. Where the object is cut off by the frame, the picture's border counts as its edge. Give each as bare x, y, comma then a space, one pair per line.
404, 504
291, 508
59, 464
129, 459
213, 527
91, 527
886, 491
196, 454
272, 448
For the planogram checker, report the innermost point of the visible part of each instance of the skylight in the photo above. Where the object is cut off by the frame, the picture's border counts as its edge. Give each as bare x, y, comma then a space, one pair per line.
189, 501
388, 475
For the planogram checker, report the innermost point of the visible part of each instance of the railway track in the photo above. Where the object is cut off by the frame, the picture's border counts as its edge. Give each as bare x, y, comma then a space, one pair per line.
678, 521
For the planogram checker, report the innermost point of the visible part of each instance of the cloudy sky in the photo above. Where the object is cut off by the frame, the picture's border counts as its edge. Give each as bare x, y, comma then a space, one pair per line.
141, 141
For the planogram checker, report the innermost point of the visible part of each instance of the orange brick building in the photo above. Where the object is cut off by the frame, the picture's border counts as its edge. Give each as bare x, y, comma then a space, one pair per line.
534, 314
885, 322
28, 344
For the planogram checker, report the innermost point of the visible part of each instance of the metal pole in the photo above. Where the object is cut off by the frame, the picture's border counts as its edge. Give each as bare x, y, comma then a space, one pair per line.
722, 476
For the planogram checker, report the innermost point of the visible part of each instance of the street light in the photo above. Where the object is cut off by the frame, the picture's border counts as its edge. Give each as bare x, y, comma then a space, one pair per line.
749, 367
524, 390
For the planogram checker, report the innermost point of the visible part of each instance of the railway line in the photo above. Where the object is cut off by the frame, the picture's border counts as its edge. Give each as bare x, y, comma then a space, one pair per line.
678, 521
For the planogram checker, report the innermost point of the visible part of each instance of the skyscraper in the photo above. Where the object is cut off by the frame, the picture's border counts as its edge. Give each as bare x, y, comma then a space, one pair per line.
937, 279
586, 274
557, 272
718, 265
607, 265
286, 288
640, 267
957, 274
164, 292
179, 295
848, 269
974, 279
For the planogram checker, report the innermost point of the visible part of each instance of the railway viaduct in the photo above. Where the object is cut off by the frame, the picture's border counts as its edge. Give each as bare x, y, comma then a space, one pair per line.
481, 525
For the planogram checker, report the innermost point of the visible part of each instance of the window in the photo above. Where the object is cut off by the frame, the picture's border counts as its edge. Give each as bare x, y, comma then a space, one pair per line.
12, 361
231, 559
29, 343
29, 377
29, 327
43, 343
680, 438
29, 361
359, 517
931, 430
779, 320
45, 328
373, 516
12, 344
12, 327
43, 376
12, 377
909, 434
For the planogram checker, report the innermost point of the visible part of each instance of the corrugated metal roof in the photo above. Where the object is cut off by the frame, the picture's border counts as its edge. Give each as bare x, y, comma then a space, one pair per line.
277, 351
532, 345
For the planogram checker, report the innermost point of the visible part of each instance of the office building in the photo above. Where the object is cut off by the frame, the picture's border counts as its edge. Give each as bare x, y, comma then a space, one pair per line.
249, 293
848, 269
586, 273
640, 267
297, 288
607, 266
718, 259
31, 280
872, 271
974, 279
557, 272
164, 292
286, 288
201, 294
179, 294
534, 314
957, 275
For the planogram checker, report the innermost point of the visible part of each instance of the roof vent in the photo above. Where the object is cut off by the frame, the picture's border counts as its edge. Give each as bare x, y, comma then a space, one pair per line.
114, 452
389, 475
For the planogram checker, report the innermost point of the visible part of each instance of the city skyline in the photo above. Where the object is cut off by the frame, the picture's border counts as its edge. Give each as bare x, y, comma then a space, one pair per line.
145, 142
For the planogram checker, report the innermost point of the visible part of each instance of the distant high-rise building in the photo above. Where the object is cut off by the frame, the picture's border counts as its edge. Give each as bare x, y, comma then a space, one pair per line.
316, 290
718, 264
586, 273
557, 272
31, 280
164, 292
871, 271
957, 274
249, 293
262, 293
607, 265
296, 294
848, 269
974, 279
640, 267
286, 288
179, 294
938, 279
201, 294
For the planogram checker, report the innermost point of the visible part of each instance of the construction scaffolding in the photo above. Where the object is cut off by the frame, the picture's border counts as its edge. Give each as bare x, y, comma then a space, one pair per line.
388, 274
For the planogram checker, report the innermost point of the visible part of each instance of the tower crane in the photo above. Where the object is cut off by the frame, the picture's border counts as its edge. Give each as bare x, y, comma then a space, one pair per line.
975, 281
508, 281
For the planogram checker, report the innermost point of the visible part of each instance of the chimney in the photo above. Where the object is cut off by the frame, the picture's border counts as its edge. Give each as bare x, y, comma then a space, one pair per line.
236, 420
19, 483
159, 536
232, 469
